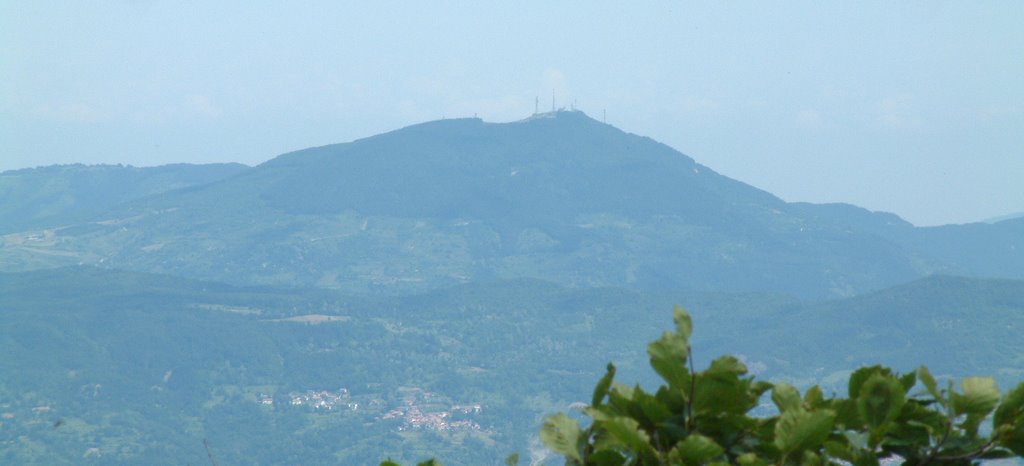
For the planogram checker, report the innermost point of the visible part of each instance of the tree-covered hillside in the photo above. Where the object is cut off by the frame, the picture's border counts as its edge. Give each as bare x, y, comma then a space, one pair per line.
63, 195
106, 366
558, 197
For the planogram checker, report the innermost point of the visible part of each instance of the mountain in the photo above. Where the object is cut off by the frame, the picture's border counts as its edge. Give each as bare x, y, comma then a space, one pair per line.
558, 197
436, 289
60, 195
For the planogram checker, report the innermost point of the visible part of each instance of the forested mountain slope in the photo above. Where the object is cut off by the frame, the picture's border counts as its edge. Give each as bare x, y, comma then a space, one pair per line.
106, 366
61, 195
559, 197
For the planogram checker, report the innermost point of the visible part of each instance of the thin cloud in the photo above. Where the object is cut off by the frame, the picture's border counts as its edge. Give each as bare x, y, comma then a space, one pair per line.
700, 104
504, 108
75, 112
898, 113
201, 105
554, 81
808, 117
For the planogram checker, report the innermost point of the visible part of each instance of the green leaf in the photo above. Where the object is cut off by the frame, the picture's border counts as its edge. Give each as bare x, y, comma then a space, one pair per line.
620, 399
880, 400
606, 458
813, 397
600, 413
810, 459
727, 365
652, 409
749, 459
430, 462
695, 449
929, 384
1013, 438
846, 413
627, 432
858, 440
674, 399
838, 450
1011, 410
908, 381
971, 423
918, 422
980, 396
786, 397
388, 462
668, 358
684, 324
798, 430
562, 434
759, 388
601, 390
860, 376
718, 393
512, 460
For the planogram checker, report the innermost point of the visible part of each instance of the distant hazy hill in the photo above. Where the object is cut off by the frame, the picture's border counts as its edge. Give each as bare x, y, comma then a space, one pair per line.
977, 249
1002, 218
957, 326
59, 195
559, 197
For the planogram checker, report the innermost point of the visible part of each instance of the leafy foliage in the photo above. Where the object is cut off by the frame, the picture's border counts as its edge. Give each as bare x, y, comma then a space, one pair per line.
705, 418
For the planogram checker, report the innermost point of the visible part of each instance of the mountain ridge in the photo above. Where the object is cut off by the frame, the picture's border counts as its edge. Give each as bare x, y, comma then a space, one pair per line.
55, 195
559, 197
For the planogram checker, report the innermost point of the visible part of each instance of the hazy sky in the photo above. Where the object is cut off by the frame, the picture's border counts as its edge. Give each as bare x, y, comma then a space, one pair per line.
915, 108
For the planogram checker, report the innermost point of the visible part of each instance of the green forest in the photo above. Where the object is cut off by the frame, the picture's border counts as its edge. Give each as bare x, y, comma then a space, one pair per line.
138, 369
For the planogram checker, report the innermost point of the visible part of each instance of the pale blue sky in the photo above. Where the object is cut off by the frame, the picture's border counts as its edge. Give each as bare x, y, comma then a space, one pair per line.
915, 108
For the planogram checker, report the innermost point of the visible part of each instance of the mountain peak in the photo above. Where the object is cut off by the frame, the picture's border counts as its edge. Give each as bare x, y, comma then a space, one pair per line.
560, 119
561, 115
550, 165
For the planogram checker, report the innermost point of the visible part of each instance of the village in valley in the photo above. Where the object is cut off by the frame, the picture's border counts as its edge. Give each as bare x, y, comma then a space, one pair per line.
418, 408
